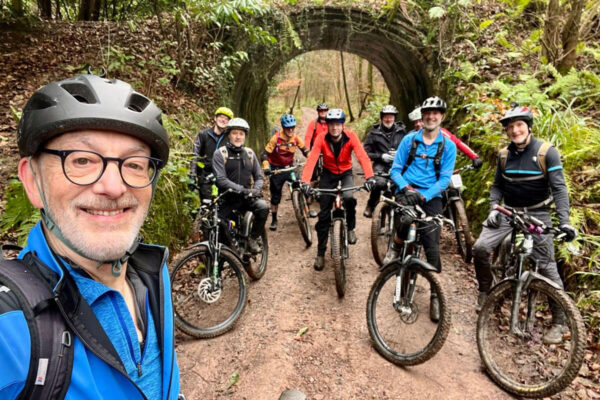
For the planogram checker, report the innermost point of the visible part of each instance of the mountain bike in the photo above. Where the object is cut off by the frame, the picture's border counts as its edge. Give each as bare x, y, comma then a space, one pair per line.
454, 209
517, 313
338, 232
399, 300
382, 233
299, 202
208, 286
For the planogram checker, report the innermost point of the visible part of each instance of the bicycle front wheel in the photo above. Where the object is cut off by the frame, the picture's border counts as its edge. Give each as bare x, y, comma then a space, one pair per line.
464, 238
402, 331
300, 210
381, 232
522, 362
338, 240
201, 309
256, 264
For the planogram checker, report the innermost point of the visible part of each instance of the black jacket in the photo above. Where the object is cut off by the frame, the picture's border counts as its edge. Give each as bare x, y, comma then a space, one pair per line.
205, 145
381, 140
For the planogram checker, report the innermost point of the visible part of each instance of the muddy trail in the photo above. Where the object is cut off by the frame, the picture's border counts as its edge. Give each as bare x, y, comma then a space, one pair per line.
334, 359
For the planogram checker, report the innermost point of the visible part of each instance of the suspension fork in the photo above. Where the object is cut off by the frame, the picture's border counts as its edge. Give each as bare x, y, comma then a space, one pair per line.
517, 291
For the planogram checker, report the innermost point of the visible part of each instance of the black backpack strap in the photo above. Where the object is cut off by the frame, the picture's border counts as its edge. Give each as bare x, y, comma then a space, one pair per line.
437, 159
51, 360
411, 154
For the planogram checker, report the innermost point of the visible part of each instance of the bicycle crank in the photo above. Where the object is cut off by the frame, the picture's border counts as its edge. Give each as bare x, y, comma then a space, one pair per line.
208, 291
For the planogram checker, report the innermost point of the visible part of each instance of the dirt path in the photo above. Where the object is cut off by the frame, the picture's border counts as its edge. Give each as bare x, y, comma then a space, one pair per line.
334, 359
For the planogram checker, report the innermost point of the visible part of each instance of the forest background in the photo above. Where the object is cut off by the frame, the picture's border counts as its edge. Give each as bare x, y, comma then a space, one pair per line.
484, 54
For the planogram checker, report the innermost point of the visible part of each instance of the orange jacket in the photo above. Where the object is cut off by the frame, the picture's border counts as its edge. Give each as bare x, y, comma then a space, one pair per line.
321, 129
343, 162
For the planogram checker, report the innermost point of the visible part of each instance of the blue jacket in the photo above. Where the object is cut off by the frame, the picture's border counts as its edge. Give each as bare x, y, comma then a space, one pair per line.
94, 376
421, 171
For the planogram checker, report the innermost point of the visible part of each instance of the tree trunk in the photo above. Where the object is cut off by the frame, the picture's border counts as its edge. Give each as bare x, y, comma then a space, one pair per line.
17, 7
346, 88
570, 36
370, 79
45, 7
89, 10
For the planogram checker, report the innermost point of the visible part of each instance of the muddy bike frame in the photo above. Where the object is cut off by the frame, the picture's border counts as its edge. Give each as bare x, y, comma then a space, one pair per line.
516, 256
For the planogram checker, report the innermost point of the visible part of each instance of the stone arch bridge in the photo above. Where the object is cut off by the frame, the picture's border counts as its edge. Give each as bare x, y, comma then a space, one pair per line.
392, 46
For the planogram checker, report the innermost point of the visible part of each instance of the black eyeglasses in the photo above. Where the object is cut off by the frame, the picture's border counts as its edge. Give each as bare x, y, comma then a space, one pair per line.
83, 167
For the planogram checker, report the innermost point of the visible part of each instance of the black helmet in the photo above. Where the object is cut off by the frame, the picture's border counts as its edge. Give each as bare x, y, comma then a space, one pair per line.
517, 113
389, 109
434, 103
322, 107
90, 102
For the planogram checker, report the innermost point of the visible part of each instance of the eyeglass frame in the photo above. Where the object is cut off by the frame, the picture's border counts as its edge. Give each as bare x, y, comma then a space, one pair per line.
63, 154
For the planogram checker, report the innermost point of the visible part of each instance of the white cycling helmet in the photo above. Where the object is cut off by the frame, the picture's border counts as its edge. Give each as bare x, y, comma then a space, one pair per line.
415, 115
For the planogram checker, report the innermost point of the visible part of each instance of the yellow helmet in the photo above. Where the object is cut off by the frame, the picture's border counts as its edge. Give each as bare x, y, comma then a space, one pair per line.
225, 111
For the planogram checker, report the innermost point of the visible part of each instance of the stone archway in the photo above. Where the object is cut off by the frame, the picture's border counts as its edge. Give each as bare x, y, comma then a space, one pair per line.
394, 47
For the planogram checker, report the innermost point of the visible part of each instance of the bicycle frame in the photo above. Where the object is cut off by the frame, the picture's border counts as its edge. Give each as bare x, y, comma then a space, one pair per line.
518, 254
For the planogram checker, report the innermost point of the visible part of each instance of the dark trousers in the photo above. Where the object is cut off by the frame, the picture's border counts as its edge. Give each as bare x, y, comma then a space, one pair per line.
276, 182
380, 185
330, 181
238, 204
430, 233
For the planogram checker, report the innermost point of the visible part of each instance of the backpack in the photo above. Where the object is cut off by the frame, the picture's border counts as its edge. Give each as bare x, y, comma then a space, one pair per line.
437, 158
541, 157
52, 349
279, 140
225, 155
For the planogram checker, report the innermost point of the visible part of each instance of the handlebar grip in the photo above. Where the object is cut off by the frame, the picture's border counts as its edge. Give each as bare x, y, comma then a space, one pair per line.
503, 210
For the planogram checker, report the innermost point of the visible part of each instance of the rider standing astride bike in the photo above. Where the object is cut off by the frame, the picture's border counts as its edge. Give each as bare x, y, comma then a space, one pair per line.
421, 170
336, 147
205, 144
381, 144
316, 127
237, 168
415, 117
91, 153
524, 185
279, 154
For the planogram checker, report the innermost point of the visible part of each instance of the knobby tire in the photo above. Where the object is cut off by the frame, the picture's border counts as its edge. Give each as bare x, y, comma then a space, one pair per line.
256, 268
299, 204
337, 253
380, 237
464, 238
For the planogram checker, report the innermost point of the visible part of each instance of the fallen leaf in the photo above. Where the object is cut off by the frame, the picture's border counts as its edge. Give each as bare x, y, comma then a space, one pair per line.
233, 379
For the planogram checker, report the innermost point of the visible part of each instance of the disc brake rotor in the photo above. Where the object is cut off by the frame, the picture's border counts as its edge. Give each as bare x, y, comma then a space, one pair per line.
207, 292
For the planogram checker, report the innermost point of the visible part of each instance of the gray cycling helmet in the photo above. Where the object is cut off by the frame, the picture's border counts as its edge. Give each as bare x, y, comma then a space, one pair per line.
90, 102
434, 103
517, 113
389, 109
238, 123
322, 107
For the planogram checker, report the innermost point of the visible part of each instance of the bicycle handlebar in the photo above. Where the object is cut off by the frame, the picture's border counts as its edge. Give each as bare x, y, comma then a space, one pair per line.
281, 170
465, 168
335, 191
417, 213
528, 223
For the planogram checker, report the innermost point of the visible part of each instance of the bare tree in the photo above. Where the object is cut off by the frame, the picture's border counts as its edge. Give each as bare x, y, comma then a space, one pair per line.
346, 87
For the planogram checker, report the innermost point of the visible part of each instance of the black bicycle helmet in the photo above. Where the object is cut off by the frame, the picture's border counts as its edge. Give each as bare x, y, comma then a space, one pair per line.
90, 102
389, 109
434, 103
322, 107
517, 113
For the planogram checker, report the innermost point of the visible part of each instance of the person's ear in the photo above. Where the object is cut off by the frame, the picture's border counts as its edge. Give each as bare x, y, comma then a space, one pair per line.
27, 176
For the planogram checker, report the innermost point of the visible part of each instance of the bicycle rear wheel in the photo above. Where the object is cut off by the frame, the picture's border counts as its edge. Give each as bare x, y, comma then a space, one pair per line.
464, 238
403, 333
381, 232
523, 364
300, 210
337, 253
256, 264
200, 310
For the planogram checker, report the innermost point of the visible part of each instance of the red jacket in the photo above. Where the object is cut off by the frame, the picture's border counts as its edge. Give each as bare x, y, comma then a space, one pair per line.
320, 130
459, 144
343, 162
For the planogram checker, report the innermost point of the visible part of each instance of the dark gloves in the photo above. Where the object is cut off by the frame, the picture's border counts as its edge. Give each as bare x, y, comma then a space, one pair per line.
477, 163
369, 184
267, 171
493, 219
252, 192
410, 197
570, 232
305, 188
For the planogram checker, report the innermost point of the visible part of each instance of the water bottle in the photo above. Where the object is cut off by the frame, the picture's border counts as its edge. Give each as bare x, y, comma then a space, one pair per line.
412, 233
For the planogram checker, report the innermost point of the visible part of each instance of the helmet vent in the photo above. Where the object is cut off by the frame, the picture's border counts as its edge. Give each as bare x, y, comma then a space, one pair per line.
137, 102
39, 102
80, 92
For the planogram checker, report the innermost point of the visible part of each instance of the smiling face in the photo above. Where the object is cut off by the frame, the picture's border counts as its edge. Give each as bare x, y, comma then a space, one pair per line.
335, 130
388, 120
221, 121
289, 132
100, 220
518, 132
237, 137
432, 119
